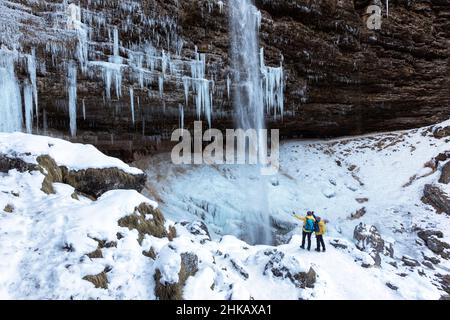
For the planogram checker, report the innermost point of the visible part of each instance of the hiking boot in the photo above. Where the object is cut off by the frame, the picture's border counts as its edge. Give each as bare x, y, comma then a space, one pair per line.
302, 247
318, 250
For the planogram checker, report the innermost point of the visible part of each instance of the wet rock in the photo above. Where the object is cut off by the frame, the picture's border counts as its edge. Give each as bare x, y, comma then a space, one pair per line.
434, 196
410, 262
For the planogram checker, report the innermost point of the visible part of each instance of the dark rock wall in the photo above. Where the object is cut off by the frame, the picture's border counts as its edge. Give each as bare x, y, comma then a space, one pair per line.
341, 77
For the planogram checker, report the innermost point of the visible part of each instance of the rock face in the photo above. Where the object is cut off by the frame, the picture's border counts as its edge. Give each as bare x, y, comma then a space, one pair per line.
340, 77
435, 197
90, 182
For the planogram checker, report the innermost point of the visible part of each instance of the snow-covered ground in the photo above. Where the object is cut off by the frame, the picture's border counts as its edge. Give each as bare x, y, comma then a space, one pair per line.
383, 173
45, 239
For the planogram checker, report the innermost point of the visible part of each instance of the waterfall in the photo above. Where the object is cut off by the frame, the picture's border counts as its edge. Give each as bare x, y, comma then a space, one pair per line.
245, 21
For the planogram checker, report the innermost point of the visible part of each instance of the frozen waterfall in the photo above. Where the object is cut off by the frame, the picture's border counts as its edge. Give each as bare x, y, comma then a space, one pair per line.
248, 99
10, 97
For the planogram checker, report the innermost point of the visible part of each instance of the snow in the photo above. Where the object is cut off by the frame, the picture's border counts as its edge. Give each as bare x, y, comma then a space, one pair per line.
46, 237
73, 156
327, 177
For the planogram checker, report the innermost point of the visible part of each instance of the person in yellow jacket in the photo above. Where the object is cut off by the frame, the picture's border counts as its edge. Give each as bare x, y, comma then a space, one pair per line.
320, 232
308, 228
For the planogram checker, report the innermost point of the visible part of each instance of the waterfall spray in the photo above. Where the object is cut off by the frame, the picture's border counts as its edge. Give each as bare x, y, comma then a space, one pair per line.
245, 21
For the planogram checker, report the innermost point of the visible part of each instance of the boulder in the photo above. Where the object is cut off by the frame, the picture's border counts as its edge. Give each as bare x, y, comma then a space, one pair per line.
174, 291
441, 132
147, 221
8, 162
100, 281
199, 229
358, 214
95, 182
445, 174
369, 240
92, 182
280, 266
410, 262
438, 199
431, 240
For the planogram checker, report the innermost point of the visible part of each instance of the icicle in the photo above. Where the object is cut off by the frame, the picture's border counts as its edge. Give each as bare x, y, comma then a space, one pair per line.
228, 86
116, 42
84, 111
72, 88
220, 4
181, 111
74, 23
161, 85
31, 65
186, 84
272, 86
10, 97
28, 99
132, 103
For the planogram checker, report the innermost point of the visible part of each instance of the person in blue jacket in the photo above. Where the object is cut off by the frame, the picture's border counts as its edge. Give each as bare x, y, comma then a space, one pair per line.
308, 228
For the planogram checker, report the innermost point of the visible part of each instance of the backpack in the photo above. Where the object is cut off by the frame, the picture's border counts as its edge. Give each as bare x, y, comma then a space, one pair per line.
309, 225
316, 227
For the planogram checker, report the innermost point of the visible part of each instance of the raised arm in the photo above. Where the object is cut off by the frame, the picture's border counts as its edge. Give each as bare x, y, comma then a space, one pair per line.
299, 218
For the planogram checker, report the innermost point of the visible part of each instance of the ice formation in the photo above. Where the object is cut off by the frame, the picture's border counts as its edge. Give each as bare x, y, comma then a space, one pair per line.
248, 99
132, 104
31, 66
273, 87
72, 94
202, 87
10, 97
28, 101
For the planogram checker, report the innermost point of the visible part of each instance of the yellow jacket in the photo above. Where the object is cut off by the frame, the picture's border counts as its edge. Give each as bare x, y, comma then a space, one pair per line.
304, 220
322, 228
